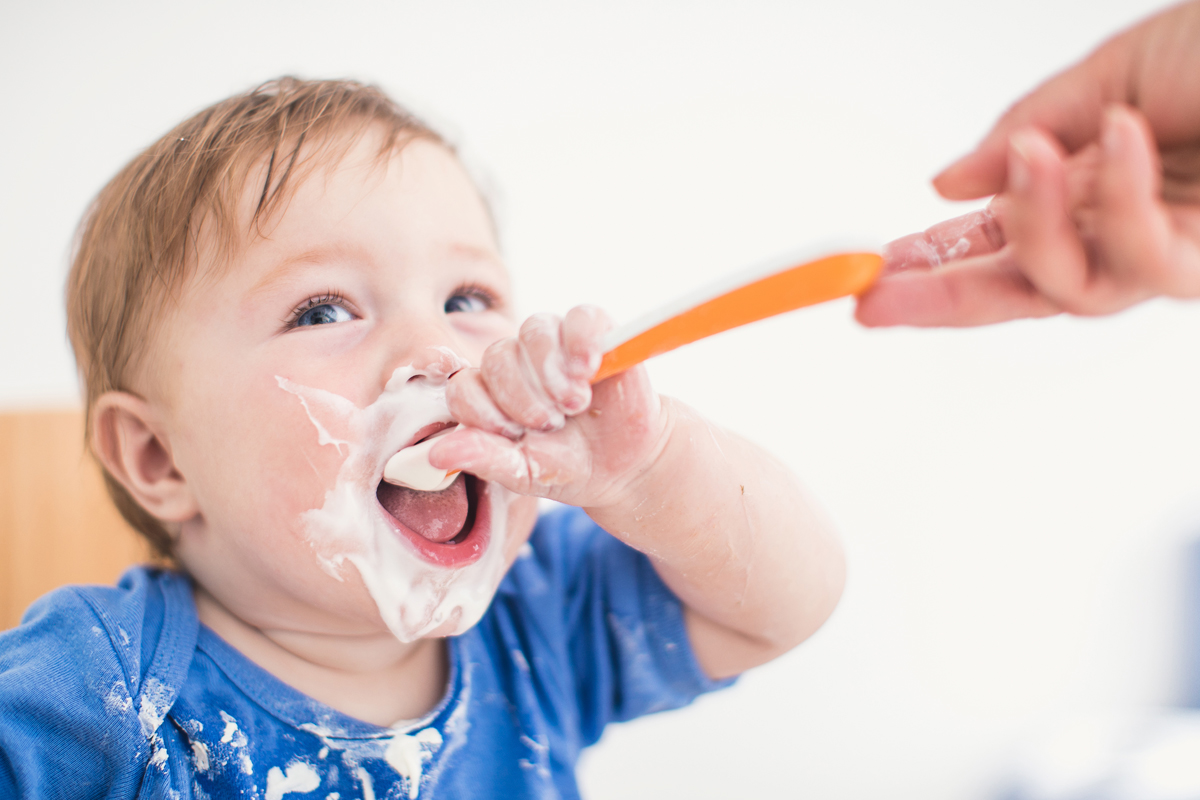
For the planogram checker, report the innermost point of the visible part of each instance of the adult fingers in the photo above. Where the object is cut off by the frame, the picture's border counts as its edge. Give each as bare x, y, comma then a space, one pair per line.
1015, 259
1042, 237
967, 236
1092, 240
976, 291
1069, 105
946, 275
1134, 234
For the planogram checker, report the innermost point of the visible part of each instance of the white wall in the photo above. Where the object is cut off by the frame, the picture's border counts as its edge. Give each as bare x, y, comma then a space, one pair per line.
1011, 498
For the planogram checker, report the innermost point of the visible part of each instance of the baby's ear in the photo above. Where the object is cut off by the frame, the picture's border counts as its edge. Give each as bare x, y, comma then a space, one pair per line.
129, 442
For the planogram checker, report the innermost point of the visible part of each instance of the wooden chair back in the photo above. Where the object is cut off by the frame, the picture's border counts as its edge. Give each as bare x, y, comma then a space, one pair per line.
57, 525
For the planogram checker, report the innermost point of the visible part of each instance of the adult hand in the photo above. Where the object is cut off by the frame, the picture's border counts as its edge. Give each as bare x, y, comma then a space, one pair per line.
1097, 183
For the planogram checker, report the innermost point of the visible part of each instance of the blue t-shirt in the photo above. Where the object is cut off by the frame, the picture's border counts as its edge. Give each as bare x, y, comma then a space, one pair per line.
122, 693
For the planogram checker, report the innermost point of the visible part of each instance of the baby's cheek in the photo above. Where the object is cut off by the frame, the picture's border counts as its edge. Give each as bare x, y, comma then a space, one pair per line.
296, 476
295, 470
478, 334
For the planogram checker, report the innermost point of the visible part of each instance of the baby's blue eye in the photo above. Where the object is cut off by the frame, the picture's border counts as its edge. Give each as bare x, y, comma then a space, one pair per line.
323, 315
465, 303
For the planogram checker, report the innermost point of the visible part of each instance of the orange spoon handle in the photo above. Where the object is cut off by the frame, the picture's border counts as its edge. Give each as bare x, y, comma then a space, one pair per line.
714, 311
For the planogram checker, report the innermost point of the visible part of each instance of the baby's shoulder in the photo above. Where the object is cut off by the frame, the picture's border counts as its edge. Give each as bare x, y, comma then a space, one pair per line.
86, 678
130, 624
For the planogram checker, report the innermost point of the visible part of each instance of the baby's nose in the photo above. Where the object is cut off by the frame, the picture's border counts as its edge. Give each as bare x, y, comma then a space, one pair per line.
436, 363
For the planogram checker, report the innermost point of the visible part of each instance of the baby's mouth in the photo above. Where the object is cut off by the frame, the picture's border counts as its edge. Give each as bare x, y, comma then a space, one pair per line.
439, 517
447, 526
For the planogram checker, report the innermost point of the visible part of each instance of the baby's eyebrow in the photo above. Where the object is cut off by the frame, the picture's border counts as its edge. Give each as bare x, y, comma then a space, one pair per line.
293, 262
471, 251
279, 271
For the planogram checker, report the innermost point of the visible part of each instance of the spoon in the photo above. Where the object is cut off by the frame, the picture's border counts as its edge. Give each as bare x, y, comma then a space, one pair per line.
774, 287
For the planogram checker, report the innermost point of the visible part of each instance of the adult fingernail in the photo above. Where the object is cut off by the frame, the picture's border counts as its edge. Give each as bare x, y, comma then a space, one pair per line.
1019, 170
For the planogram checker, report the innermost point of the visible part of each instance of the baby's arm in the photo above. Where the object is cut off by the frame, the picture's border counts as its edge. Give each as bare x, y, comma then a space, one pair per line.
728, 527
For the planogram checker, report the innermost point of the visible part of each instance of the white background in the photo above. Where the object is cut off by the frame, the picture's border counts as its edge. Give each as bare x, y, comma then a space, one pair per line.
1012, 499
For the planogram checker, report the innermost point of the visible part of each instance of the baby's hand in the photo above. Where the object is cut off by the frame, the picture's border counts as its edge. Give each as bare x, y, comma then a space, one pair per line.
533, 423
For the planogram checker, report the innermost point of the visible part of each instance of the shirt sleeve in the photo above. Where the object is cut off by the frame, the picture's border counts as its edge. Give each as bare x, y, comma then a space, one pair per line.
68, 727
628, 647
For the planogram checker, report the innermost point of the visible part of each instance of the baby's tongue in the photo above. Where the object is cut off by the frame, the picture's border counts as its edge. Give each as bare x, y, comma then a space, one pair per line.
438, 516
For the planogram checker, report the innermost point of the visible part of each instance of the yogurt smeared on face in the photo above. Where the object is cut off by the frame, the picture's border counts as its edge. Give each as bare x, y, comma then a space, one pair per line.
422, 584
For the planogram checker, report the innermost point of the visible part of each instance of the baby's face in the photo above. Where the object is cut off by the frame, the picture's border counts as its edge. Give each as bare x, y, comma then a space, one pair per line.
292, 376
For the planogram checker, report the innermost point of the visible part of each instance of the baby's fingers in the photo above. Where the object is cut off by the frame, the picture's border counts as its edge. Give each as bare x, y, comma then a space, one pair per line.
471, 404
512, 382
583, 332
537, 465
543, 340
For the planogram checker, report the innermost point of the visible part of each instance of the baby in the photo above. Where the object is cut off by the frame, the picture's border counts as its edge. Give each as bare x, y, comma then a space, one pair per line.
267, 305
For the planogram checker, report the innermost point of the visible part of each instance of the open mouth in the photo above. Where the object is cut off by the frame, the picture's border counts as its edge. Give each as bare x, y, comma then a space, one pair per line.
449, 527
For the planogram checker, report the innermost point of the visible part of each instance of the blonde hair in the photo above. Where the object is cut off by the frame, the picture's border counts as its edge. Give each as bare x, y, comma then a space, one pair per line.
137, 244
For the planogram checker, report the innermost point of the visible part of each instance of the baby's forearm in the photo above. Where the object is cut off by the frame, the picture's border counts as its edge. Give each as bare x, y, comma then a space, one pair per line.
732, 533
728, 527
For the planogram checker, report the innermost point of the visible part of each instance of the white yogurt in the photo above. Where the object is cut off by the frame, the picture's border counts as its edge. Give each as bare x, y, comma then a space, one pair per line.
415, 597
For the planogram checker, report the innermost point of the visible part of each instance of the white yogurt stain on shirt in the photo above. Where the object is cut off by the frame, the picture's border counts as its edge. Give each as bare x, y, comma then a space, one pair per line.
300, 778
407, 755
118, 701
417, 756
368, 788
415, 597
152, 705
200, 756
231, 734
